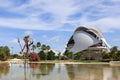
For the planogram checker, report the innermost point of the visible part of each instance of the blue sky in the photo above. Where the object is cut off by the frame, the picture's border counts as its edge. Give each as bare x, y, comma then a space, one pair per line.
52, 22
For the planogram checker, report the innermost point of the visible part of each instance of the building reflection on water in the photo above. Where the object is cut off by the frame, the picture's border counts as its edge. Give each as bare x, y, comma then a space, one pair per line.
58, 71
93, 72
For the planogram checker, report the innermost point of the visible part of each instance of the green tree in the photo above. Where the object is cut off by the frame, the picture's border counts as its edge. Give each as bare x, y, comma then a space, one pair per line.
47, 47
114, 49
50, 55
113, 52
4, 52
15, 56
69, 55
38, 45
116, 56
1, 56
106, 55
7, 51
43, 47
78, 56
59, 56
33, 48
42, 55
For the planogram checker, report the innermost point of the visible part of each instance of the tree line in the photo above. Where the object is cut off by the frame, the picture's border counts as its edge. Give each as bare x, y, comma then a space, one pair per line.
43, 52
112, 55
37, 52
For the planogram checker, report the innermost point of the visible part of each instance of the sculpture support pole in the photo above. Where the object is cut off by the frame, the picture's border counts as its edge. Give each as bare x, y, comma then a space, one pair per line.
21, 49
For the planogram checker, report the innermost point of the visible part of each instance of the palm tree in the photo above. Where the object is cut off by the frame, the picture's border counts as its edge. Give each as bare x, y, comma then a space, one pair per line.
43, 47
48, 47
33, 48
38, 45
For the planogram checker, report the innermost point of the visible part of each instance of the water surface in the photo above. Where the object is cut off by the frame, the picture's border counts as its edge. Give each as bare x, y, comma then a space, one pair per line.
58, 71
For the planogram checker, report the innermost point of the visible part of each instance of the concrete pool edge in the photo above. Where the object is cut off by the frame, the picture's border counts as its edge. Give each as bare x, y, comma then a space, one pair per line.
62, 62
111, 63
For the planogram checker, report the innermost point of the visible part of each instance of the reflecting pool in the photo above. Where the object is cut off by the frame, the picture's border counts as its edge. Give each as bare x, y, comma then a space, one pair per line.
58, 71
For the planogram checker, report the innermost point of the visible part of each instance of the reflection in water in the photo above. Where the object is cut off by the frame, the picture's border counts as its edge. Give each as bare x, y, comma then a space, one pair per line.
4, 69
58, 71
93, 72
41, 69
34, 65
25, 77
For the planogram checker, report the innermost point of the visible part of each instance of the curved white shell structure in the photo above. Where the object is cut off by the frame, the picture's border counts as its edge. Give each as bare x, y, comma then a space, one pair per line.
84, 38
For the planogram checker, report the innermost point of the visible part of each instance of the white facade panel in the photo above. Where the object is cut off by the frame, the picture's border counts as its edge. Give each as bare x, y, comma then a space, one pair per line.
82, 41
83, 38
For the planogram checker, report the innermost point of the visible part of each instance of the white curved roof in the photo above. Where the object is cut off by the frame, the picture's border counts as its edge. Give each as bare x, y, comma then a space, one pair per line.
84, 37
82, 41
97, 31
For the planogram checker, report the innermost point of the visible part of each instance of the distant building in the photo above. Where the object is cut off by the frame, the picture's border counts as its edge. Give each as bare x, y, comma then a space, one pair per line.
87, 40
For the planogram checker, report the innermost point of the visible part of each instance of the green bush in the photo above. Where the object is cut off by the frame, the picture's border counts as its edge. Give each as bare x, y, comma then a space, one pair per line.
42, 55
4, 53
50, 55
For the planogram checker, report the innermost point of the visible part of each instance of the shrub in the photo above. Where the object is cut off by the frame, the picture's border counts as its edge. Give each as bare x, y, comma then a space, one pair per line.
34, 57
50, 55
42, 55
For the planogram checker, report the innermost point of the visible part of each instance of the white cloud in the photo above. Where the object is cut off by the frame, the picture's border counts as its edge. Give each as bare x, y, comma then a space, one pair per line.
44, 36
5, 4
28, 33
14, 41
34, 9
54, 39
106, 24
54, 42
107, 13
51, 39
116, 40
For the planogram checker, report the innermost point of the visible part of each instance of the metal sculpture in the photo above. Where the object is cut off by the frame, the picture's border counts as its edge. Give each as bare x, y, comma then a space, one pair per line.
28, 41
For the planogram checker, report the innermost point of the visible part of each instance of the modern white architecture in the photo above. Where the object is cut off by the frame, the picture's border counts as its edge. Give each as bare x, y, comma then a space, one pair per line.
87, 39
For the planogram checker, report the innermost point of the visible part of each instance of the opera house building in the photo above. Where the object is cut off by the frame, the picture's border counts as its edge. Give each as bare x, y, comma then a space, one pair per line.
89, 41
